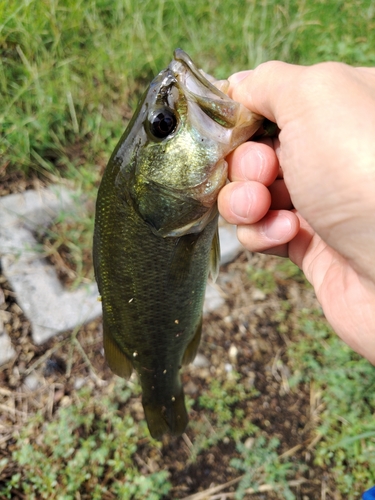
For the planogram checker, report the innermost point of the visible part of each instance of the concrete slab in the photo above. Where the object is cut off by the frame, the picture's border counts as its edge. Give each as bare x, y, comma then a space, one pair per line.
50, 308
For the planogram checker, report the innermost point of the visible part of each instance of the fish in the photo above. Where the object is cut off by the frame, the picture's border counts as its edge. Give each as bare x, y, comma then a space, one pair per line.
156, 231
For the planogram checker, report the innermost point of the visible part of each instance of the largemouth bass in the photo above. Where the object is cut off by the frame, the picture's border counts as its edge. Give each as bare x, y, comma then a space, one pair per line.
156, 235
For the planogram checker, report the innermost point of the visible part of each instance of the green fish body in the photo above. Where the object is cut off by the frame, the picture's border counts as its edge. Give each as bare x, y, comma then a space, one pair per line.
155, 237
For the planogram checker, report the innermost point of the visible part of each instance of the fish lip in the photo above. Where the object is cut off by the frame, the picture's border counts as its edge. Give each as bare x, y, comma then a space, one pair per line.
182, 58
191, 80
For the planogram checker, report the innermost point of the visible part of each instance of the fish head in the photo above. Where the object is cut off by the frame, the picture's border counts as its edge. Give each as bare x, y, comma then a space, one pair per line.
176, 147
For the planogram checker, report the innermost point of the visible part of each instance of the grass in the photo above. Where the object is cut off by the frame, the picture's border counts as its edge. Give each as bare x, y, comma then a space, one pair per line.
71, 72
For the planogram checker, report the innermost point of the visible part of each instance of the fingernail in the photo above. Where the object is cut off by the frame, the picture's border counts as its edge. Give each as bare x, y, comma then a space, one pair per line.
241, 200
252, 164
237, 77
277, 227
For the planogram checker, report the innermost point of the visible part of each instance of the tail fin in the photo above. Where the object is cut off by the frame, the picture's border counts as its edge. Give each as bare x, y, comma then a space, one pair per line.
168, 417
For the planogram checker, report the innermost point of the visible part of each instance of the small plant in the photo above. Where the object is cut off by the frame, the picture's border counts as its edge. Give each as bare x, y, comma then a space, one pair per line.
261, 465
263, 279
224, 420
87, 450
67, 243
224, 398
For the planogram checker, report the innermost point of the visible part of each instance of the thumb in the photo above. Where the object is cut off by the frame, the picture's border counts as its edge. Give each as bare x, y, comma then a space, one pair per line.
266, 90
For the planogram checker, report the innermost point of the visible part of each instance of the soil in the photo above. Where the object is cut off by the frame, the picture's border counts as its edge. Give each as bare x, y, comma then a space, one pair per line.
244, 334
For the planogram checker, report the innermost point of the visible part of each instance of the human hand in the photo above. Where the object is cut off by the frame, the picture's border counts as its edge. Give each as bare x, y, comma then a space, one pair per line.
319, 207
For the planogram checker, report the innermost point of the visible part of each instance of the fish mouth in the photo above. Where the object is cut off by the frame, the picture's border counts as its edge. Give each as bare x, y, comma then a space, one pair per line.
182, 58
231, 122
199, 89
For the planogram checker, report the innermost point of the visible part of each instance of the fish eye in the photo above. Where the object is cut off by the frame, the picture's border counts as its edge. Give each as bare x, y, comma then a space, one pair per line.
162, 123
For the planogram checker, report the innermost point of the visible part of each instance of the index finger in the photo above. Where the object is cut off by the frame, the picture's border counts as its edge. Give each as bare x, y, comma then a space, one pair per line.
254, 161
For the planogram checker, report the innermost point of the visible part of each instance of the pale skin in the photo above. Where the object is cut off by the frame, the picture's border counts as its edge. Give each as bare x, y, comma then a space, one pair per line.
310, 193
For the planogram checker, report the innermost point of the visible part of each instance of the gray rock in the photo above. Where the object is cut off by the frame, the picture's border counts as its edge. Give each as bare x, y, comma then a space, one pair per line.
6, 350
233, 354
32, 382
201, 361
258, 295
50, 308
212, 300
190, 388
230, 247
228, 367
79, 383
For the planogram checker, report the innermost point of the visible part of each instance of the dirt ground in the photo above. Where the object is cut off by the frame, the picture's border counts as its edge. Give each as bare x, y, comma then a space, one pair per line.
44, 378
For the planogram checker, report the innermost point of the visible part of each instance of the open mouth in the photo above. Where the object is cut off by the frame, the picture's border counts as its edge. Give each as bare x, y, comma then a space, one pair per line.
197, 88
195, 79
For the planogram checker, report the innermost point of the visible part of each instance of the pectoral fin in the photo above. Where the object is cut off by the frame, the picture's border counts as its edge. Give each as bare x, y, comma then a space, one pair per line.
169, 212
215, 256
117, 361
192, 348
179, 265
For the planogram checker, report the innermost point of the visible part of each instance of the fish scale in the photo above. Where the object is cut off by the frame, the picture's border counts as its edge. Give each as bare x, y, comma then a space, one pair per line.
149, 301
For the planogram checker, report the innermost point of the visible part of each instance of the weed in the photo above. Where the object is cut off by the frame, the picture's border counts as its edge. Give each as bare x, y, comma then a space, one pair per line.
88, 447
225, 419
262, 465
346, 384
223, 398
263, 279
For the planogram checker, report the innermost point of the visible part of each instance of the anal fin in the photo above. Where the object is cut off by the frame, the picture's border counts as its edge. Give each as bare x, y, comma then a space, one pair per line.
192, 348
117, 360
